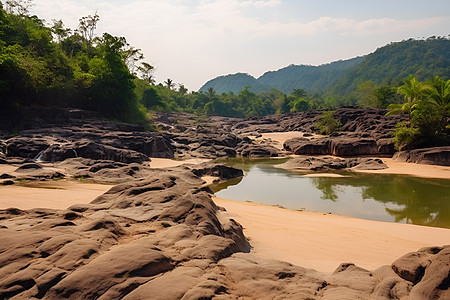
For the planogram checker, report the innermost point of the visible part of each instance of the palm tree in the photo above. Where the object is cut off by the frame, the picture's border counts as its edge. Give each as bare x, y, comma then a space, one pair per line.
211, 92
169, 83
440, 98
440, 95
414, 91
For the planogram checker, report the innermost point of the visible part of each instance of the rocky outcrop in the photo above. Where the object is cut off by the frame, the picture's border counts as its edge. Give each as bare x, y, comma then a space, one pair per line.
164, 238
123, 240
312, 163
339, 144
94, 139
429, 156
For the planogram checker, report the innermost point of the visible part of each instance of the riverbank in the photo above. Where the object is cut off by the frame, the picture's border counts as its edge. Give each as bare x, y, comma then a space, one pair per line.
312, 240
277, 140
322, 241
60, 194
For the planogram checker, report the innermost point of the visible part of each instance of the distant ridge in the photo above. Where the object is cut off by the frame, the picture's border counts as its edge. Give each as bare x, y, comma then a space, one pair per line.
387, 65
310, 78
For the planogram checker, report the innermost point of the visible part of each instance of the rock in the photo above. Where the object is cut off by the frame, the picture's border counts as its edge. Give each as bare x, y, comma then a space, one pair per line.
314, 163
385, 146
303, 146
429, 156
29, 166
255, 150
163, 237
351, 146
365, 163
428, 270
133, 234
6, 176
7, 182
217, 170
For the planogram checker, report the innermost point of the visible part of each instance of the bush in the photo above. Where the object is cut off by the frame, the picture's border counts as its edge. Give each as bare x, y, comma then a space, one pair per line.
327, 124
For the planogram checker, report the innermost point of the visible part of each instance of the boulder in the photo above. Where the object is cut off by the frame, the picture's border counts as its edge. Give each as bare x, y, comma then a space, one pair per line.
303, 146
429, 156
314, 163
351, 146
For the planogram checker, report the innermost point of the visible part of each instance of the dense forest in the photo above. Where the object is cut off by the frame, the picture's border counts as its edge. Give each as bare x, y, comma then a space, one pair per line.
314, 79
50, 65
53, 65
387, 65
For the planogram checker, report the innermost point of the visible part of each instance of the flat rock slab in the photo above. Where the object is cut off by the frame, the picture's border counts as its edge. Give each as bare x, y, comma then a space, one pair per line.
316, 163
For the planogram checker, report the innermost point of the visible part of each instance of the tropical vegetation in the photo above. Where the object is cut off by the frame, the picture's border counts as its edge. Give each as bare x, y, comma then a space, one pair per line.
52, 65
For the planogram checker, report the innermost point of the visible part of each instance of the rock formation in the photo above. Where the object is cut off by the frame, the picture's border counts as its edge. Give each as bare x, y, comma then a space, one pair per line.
164, 238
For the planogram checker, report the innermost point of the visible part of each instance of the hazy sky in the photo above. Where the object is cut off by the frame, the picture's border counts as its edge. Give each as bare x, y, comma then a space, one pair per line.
192, 41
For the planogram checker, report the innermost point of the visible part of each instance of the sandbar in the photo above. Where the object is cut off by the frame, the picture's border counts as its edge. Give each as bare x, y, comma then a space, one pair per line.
51, 194
322, 241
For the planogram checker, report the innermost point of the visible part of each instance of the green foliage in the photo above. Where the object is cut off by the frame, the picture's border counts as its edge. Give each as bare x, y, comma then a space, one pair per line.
327, 124
310, 78
404, 136
388, 65
427, 107
77, 70
365, 95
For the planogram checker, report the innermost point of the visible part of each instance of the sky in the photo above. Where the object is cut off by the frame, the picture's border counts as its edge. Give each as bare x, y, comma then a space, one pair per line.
193, 41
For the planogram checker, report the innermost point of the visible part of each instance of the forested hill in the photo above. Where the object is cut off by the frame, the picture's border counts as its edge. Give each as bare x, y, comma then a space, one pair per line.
234, 83
388, 64
310, 78
392, 63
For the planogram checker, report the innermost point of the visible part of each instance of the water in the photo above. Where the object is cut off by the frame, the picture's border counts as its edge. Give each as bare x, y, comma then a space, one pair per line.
382, 197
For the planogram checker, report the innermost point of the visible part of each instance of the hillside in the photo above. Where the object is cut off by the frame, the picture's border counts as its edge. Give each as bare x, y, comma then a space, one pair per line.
388, 64
310, 78
234, 83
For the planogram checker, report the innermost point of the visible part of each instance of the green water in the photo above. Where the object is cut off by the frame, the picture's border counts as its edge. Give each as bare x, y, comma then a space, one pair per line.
382, 197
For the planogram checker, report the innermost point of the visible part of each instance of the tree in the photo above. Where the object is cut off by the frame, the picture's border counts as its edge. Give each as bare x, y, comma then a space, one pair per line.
132, 56
59, 30
413, 91
169, 83
365, 95
427, 108
146, 71
86, 28
299, 93
152, 100
182, 89
18, 7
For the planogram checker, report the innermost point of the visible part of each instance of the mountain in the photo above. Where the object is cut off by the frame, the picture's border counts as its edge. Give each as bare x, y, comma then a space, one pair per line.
234, 83
310, 78
388, 64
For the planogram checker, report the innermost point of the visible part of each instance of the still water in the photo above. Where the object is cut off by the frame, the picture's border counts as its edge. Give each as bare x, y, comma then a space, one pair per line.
382, 197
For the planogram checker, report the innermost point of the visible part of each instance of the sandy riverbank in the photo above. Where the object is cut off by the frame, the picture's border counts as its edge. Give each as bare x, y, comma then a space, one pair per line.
63, 193
395, 167
323, 241
313, 240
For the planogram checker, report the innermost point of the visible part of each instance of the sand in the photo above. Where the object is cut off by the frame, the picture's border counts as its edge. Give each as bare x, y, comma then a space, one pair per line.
62, 194
169, 163
313, 240
51, 194
323, 241
419, 170
278, 138
395, 167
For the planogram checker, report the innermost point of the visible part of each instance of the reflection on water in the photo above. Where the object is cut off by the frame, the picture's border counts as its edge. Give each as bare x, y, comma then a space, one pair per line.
392, 198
